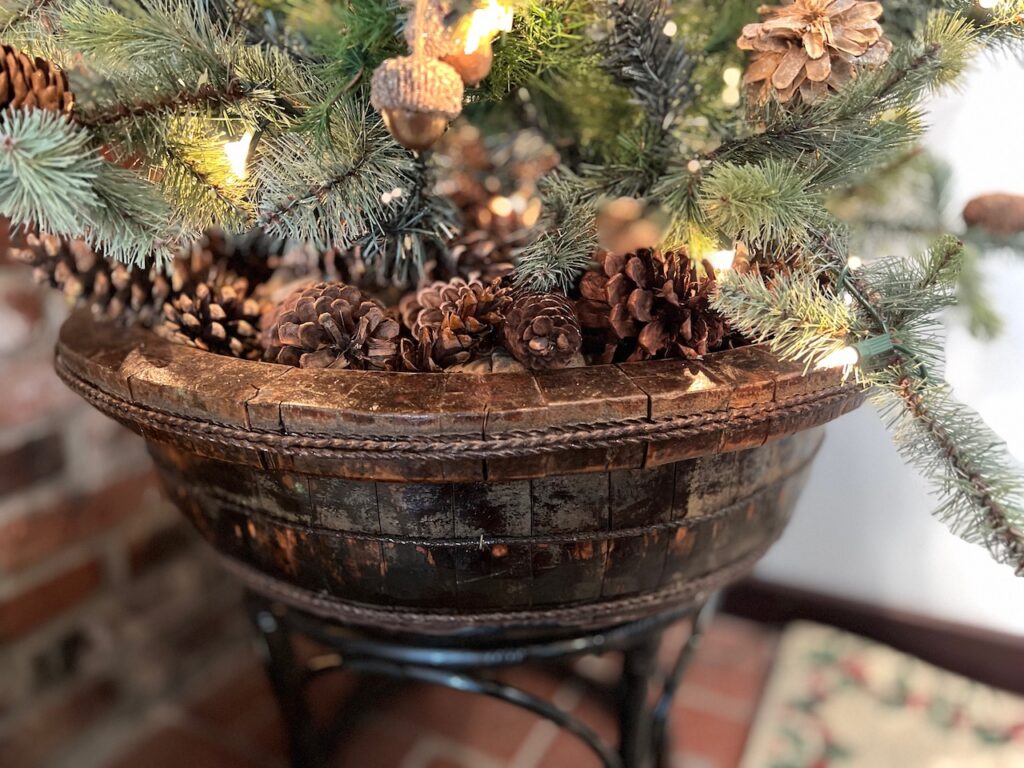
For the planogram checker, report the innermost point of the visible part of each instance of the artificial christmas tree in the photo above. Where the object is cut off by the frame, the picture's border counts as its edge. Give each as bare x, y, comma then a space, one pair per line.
471, 496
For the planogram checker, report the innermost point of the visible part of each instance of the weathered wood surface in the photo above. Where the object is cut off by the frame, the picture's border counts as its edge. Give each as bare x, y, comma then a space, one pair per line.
522, 531
261, 399
494, 546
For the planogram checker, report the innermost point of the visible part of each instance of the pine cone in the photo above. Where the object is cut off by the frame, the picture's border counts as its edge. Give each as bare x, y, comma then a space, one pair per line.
649, 304
998, 213
804, 49
26, 82
112, 290
331, 325
215, 318
451, 322
542, 331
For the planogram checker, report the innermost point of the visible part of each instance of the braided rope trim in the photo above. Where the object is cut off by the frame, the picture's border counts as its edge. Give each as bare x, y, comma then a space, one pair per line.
504, 445
590, 616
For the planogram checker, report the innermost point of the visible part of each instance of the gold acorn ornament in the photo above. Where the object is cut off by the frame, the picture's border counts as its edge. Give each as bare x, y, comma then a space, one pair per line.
470, 51
416, 95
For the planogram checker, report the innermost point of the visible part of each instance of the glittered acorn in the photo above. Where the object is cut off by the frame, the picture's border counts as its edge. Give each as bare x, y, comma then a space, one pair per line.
417, 96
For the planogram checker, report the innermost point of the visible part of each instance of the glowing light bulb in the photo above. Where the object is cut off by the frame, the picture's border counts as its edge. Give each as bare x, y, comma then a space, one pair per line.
847, 357
237, 153
722, 260
501, 206
485, 23
854, 263
732, 76
988, 5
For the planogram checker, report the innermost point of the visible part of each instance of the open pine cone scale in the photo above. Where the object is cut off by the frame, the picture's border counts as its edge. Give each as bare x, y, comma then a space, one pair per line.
648, 305
809, 47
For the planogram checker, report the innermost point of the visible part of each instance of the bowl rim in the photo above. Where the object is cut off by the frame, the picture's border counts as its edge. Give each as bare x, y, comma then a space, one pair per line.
170, 391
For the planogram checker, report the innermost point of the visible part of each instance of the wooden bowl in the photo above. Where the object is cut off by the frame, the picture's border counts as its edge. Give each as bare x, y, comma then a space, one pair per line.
458, 503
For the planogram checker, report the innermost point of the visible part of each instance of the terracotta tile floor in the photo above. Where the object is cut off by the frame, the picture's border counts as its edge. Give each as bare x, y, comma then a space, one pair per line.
234, 723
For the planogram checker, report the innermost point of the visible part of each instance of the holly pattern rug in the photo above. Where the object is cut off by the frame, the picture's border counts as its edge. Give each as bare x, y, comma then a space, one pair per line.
836, 700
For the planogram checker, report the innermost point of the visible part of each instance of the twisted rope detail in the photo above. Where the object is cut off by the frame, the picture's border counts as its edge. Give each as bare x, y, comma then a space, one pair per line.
424, 447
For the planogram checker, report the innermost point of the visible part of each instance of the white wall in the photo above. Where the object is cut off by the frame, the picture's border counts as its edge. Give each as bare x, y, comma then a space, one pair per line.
863, 529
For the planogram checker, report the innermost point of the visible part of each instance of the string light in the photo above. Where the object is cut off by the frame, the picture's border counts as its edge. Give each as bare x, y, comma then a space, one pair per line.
858, 354
485, 23
845, 357
237, 153
722, 260
854, 263
731, 94
471, 53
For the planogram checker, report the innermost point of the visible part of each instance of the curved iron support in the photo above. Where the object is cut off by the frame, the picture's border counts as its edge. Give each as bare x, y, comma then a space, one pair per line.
643, 731
510, 694
659, 725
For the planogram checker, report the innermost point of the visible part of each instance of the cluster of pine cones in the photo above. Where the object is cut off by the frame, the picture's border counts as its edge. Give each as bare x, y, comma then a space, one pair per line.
453, 325
220, 295
209, 297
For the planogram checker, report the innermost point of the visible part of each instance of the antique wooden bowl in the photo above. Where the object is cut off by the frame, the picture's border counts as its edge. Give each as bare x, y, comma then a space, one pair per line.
458, 503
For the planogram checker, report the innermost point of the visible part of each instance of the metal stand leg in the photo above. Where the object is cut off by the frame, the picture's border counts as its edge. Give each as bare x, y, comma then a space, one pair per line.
288, 680
638, 667
643, 739
660, 745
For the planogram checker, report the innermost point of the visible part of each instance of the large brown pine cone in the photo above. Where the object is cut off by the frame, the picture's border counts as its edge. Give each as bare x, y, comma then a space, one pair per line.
331, 325
649, 304
215, 318
542, 331
27, 82
803, 50
451, 322
112, 290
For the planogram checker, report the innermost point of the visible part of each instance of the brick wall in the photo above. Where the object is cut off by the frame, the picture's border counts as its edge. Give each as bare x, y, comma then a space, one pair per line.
107, 602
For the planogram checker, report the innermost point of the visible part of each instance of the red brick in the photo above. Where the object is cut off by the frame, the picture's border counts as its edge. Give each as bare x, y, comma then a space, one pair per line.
734, 657
469, 719
178, 746
28, 540
53, 727
21, 307
718, 740
381, 744
24, 465
33, 394
159, 546
240, 702
24, 612
567, 750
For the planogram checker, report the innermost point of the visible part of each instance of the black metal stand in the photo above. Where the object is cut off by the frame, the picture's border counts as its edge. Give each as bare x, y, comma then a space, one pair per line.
644, 737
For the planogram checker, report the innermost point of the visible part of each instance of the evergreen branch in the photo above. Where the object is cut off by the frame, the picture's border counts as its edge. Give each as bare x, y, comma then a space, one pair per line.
354, 192
794, 315
654, 66
51, 179
47, 171
982, 495
567, 241
773, 201
205, 95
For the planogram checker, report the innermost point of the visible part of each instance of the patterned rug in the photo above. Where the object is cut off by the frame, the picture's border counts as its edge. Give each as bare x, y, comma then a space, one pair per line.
836, 700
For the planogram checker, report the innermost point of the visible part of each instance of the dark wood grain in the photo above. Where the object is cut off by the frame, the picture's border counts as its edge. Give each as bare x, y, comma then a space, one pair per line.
511, 529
